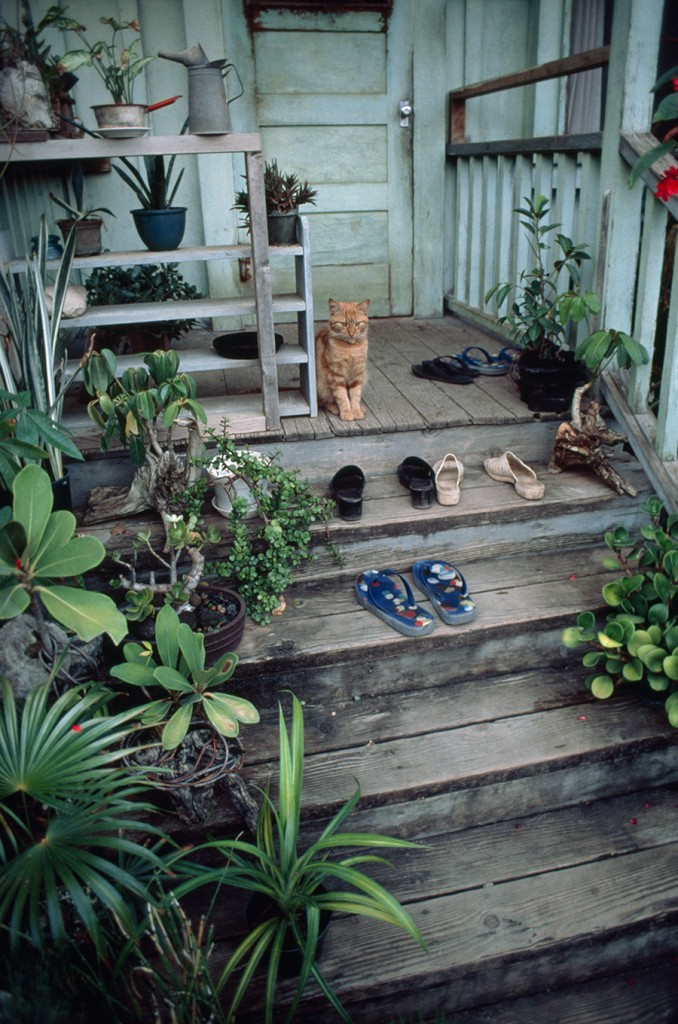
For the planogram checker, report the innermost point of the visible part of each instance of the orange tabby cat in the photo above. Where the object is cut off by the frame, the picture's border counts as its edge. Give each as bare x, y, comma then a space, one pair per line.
341, 359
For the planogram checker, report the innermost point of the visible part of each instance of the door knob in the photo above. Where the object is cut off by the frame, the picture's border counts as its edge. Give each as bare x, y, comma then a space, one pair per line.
406, 111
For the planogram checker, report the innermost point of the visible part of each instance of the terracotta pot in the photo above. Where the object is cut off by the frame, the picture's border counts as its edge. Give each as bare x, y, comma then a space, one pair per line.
88, 235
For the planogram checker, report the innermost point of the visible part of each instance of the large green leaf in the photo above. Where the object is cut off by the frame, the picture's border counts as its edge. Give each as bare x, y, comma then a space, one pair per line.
33, 502
12, 545
14, 599
87, 614
76, 557
176, 728
172, 679
238, 707
221, 717
134, 673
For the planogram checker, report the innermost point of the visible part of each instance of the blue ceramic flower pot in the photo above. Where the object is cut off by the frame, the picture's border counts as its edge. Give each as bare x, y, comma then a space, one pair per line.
161, 229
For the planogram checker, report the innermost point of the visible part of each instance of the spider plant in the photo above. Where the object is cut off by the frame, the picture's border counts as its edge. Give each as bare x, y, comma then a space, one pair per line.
296, 884
34, 358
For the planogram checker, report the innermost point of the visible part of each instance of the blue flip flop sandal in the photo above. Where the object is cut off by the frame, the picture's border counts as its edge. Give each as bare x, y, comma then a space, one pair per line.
447, 588
388, 595
480, 359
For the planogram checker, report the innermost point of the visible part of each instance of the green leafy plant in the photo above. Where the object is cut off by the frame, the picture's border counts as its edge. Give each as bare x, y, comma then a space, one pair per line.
39, 550
540, 311
19, 420
149, 282
33, 357
638, 645
74, 181
296, 883
143, 408
68, 812
284, 193
25, 42
667, 110
117, 64
262, 557
190, 688
154, 190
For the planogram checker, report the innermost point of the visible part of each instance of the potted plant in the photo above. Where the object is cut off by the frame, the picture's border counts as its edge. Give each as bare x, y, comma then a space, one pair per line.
160, 224
84, 223
29, 74
285, 193
143, 409
541, 312
263, 553
637, 648
146, 282
191, 723
33, 358
117, 63
291, 888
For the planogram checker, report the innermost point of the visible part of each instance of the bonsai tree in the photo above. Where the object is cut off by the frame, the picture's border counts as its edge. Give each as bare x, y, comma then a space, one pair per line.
189, 688
38, 552
637, 648
142, 409
33, 356
296, 884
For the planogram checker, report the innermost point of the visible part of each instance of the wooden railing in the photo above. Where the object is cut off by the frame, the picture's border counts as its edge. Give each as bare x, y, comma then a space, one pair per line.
490, 179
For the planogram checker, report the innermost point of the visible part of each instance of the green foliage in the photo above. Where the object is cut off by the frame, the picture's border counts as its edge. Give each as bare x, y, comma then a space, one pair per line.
74, 180
190, 695
667, 110
38, 547
33, 356
117, 64
132, 407
148, 282
154, 189
283, 192
261, 558
26, 43
638, 645
540, 311
23, 433
297, 883
67, 813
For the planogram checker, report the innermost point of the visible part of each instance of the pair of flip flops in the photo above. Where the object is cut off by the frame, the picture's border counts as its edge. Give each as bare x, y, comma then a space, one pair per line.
448, 369
388, 595
480, 360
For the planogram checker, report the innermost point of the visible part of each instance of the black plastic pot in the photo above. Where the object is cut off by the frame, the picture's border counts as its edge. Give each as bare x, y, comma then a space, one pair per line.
61, 493
282, 228
220, 617
547, 385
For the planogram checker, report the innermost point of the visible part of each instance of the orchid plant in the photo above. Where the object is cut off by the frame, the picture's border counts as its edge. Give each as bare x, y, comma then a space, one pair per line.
117, 64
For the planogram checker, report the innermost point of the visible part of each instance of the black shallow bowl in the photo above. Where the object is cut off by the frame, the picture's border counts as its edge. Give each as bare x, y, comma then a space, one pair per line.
241, 345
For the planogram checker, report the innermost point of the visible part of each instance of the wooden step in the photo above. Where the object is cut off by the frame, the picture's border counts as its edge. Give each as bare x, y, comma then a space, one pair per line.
538, 902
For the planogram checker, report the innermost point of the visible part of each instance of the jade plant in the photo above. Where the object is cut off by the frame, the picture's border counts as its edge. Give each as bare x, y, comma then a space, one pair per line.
177, 666
39, 552
637, 647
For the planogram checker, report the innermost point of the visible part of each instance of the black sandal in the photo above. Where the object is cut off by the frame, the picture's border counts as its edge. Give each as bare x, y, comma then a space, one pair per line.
447, 369
347, 488
416, 474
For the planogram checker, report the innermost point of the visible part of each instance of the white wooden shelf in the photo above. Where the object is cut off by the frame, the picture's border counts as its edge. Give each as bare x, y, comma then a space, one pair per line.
264, 305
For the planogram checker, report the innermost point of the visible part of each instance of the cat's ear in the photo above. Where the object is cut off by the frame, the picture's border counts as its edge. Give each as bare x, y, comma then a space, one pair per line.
363, 306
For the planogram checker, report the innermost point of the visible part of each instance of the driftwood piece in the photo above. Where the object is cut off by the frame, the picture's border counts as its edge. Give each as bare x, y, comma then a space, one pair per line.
582, 443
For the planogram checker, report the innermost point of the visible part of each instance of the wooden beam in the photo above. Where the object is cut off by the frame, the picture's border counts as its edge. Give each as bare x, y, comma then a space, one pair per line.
511, 147
571, 65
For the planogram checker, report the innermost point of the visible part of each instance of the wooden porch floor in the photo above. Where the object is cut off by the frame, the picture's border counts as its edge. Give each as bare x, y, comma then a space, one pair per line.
395, 399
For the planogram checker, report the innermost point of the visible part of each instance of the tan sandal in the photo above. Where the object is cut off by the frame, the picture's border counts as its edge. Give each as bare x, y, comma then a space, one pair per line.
448, 474
511, 470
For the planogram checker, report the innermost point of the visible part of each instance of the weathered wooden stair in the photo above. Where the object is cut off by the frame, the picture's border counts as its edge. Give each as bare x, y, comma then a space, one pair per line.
546, 886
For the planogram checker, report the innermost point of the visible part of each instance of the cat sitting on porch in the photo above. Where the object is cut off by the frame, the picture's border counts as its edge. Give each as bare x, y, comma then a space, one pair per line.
341, 359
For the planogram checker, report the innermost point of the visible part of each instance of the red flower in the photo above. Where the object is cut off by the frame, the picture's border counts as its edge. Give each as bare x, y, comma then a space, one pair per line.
76, 728
667, 185
17, 564
674, 83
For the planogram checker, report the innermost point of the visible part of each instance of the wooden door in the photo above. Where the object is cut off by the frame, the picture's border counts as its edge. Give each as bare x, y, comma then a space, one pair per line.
328, 89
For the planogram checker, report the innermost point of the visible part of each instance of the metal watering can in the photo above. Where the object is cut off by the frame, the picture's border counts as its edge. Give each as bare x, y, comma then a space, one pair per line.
208, 112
